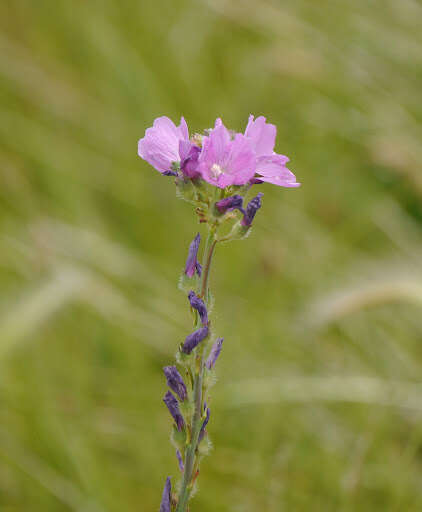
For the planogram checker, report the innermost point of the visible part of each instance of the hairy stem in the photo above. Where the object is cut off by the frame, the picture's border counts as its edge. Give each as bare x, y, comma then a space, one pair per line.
204, 289
190, 456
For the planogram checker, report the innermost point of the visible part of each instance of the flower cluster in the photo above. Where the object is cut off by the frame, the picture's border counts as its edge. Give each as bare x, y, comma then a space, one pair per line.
214, 171
220, 157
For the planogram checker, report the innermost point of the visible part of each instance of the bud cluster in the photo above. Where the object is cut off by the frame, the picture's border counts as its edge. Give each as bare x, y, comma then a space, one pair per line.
196, 362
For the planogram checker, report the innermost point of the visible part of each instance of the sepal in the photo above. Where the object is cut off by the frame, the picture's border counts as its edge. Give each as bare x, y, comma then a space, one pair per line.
186, 283
238, 232
210, 301
175, 167
205, 446
178, 438
193, 488
242, 190
187, 408
210, 378
186, 190
184, 359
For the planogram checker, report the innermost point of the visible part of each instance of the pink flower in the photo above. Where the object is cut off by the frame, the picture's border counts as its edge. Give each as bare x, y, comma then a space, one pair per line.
270, 166
226, 158
225, 161
161, 144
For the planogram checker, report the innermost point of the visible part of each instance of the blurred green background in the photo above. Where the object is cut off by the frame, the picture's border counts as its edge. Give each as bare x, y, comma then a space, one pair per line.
319, 401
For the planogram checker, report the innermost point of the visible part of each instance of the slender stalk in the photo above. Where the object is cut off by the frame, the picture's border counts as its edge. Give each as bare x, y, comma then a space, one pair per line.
204, 289
190, 457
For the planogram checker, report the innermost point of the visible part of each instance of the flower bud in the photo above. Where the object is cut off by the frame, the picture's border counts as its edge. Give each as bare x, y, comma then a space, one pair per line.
166, 499
189, 154
253, 206
204, 424
199, 305
175, 382
173, 407
194, 339
214, 353
230, 203
180, 461
192, 264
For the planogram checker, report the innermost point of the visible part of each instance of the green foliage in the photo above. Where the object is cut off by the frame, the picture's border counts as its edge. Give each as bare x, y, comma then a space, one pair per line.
318, 406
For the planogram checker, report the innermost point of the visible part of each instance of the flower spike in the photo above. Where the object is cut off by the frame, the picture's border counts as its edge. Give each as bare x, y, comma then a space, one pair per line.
218, 158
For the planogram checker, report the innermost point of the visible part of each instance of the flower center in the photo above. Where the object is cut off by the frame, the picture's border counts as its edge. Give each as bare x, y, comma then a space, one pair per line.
216, 171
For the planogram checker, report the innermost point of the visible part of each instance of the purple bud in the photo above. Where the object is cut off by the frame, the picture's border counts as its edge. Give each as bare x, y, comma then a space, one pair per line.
166, 499
230, 203
192, 262
169, 173
180, 461
173, 407
202, 431
198, 268
189, 154
194, 339
214, 353
253, 206
199, 305
175, 382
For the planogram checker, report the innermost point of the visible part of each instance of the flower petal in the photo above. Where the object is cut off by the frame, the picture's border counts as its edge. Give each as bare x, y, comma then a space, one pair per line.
272, 169
183, 129
277, 180
261, 134
241, 163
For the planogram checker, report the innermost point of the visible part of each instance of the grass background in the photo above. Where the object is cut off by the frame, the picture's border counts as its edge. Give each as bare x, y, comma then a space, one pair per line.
319, 400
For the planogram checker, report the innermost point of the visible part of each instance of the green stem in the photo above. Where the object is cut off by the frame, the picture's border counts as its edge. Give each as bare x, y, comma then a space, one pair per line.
190, 456
204, 289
